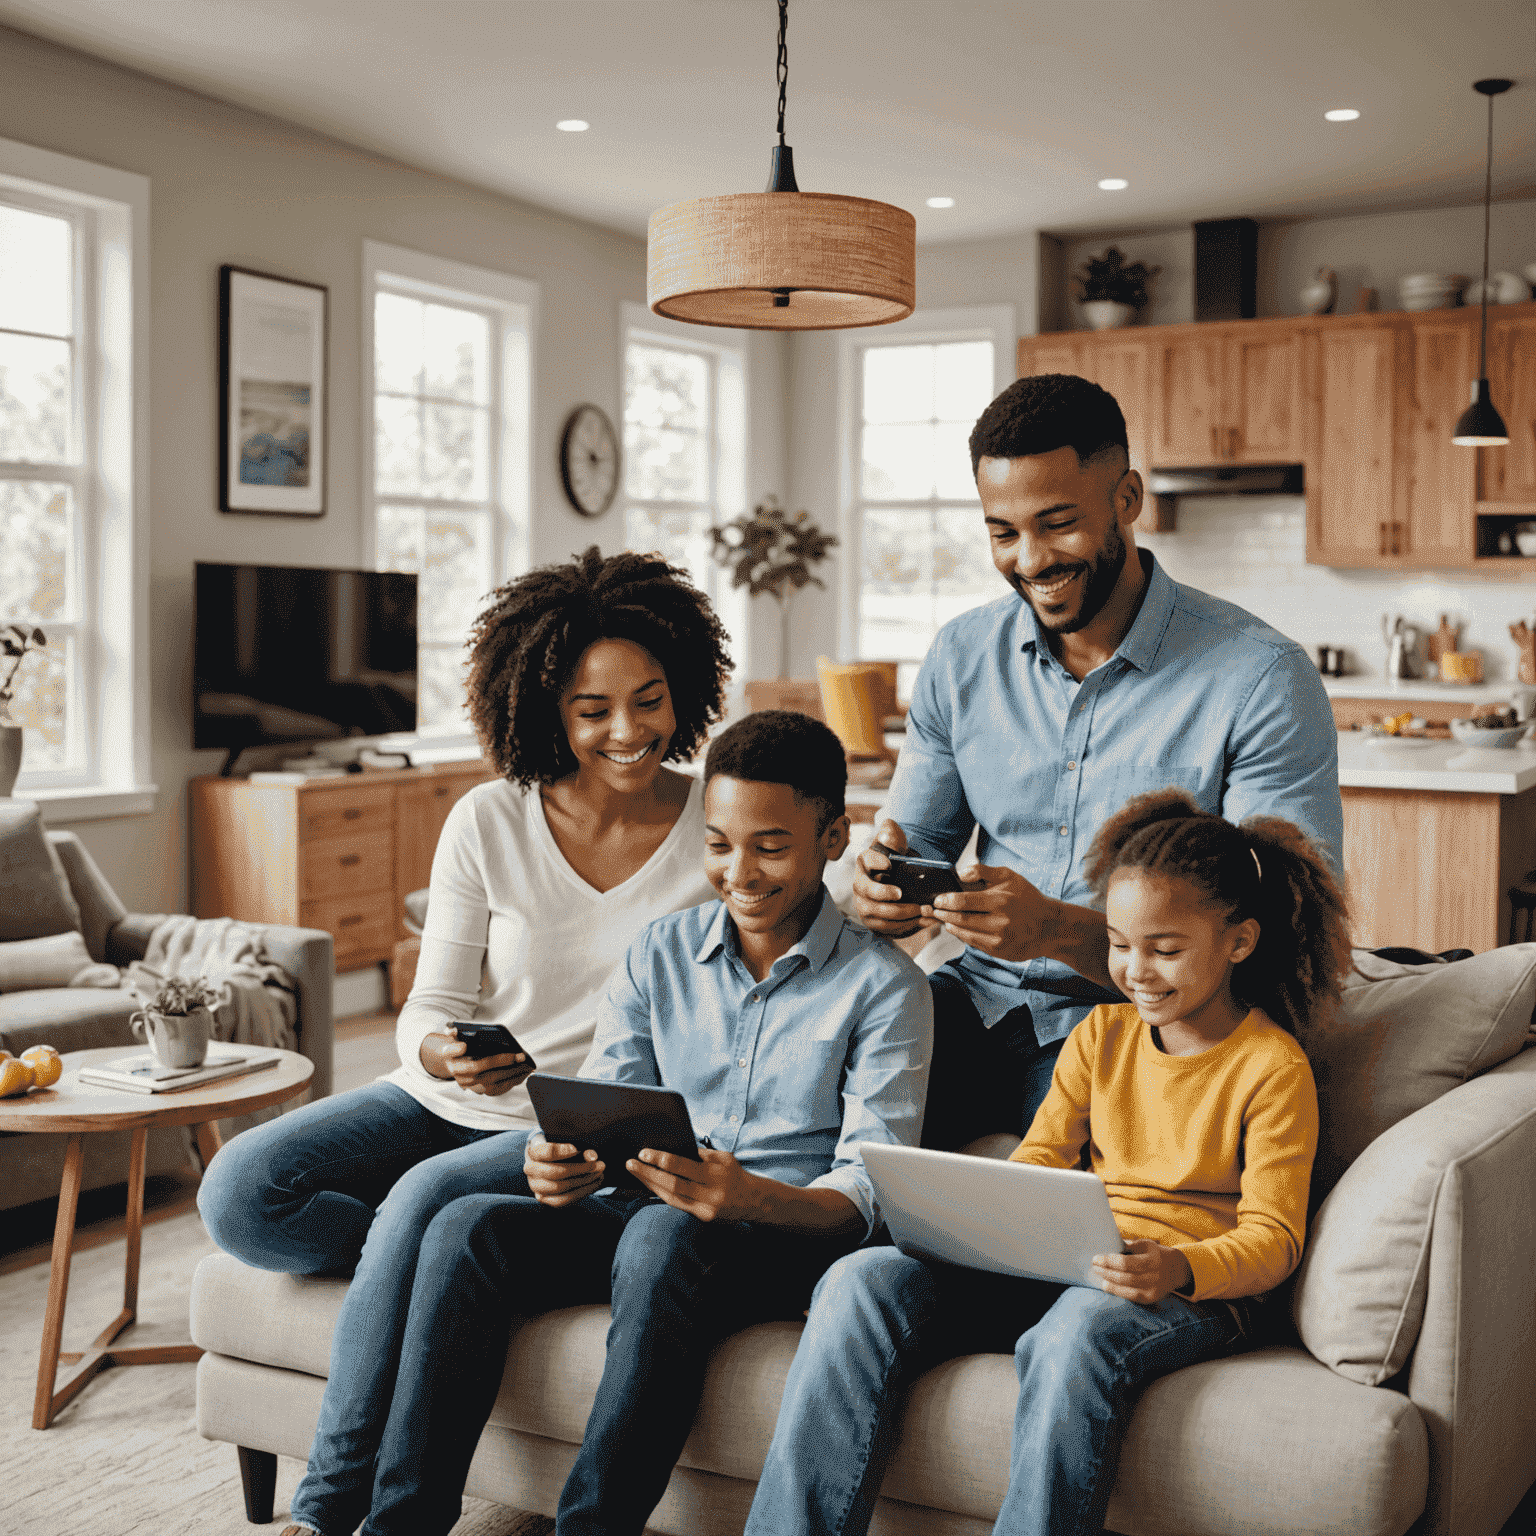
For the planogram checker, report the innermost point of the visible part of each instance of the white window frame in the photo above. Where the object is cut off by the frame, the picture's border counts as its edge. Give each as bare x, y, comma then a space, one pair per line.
110, 211
993, 322
726, 351
512, 305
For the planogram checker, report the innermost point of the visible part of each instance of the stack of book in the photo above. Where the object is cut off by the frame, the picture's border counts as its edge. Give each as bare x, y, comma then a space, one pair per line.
143, 1074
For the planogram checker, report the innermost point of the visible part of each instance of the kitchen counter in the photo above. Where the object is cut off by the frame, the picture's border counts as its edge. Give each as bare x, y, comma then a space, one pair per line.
1436, 766
1419, 690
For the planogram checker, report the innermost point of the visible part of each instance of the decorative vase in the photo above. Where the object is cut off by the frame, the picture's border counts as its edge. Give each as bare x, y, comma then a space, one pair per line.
10, 758
1107, 315
1320, 295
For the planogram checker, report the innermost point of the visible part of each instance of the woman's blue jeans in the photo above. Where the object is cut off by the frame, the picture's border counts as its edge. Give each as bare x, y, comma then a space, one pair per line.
879, 1318
352, 1183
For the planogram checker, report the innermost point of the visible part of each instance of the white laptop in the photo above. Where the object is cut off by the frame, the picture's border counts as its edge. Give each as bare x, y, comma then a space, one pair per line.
1014, 1218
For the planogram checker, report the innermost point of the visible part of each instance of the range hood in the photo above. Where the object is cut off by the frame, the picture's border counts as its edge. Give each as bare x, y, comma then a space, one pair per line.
1227, 480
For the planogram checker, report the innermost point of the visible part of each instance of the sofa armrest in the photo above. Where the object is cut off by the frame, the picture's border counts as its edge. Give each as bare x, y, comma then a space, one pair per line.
1472, 1368
309, 957
100, 906
128, 938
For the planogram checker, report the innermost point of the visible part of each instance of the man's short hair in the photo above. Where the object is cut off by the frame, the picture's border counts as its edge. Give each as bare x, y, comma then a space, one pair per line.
1047, 411
782, 746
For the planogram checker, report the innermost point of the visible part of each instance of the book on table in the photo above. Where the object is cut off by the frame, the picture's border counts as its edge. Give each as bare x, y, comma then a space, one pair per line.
143, 1074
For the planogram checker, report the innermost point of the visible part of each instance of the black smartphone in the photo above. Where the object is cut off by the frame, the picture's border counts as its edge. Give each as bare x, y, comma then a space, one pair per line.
488, 1040
920, 880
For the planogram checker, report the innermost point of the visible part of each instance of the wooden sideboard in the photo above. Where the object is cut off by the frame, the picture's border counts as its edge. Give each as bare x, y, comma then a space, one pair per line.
339, 854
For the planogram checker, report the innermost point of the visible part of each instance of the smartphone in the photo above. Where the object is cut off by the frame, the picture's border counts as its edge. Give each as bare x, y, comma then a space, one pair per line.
488, 1040
920, 880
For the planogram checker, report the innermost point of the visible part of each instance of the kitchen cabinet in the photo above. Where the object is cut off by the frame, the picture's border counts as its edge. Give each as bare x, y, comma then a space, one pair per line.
1508, 475
1124, 368
1054, 352
1350, 507
1436, 480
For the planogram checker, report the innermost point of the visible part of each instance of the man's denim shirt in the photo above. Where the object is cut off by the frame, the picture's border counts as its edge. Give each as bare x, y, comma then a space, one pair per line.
1200, 695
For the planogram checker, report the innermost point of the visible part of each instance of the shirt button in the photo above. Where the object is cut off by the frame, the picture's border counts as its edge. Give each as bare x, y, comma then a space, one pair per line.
734, 1119
1063, 831
1071, 766
742, 1062
754, 997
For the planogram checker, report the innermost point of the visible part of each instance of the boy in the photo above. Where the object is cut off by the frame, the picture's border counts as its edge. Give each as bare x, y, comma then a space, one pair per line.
793, 1034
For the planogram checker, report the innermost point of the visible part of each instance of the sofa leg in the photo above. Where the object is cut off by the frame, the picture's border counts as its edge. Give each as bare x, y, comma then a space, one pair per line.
258, 1481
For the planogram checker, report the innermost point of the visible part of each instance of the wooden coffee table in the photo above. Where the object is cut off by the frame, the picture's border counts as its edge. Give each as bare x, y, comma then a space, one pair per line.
75, 1109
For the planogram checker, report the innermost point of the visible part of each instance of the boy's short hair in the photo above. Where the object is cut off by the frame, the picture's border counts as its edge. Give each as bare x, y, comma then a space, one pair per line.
782, 746
1047, 411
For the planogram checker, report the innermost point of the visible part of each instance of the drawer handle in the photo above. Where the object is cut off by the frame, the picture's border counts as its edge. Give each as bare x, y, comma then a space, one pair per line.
352, 812
346, 922
440, 791
350, 858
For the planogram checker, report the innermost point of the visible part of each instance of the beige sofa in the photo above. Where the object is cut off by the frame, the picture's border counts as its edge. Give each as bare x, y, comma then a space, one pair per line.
1405, 1400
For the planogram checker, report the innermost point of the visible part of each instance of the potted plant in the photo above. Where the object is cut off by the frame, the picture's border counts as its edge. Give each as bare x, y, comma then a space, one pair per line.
1112, 290
772, 552
15, 641
176, 1020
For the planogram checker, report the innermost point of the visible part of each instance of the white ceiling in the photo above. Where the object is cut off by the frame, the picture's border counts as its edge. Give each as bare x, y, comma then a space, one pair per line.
1015, 108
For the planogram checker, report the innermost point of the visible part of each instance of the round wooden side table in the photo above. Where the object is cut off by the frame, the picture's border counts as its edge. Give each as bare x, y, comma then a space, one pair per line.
75, 1109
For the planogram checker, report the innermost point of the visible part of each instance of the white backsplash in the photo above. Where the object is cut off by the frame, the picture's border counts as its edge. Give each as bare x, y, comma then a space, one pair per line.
1251, 550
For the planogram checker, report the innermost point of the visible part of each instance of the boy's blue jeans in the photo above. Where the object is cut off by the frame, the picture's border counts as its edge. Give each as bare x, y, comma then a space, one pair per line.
352, 1183
879, 1318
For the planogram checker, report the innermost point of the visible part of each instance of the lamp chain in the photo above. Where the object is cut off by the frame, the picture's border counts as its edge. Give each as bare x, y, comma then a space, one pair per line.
1482, 346
783, 68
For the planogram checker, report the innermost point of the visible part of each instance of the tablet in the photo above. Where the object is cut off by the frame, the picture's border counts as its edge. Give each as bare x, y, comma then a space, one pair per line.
617, 1119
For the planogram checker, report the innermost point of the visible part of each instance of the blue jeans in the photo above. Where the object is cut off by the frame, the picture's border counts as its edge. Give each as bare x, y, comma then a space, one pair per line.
352, 1183
677, 1286
879, 1318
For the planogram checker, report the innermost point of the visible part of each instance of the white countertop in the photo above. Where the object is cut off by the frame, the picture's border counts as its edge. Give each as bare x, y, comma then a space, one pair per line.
1418, 690
1442, 766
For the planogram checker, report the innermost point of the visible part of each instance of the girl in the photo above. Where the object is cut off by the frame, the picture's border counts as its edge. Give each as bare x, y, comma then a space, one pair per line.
585, 679
1193, 1102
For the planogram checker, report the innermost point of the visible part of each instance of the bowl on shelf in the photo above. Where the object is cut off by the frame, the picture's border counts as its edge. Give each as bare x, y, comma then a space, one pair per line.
1470, 735
1430, 290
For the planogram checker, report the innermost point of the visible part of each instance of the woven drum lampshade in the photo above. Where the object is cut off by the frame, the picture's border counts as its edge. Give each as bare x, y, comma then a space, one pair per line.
782, 261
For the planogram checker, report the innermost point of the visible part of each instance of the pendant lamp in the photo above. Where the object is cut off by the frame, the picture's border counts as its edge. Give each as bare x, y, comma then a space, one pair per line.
782, 260
1480, 425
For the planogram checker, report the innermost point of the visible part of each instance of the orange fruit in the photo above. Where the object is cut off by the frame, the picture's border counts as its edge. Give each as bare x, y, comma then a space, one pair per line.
15, 1078
46, 1063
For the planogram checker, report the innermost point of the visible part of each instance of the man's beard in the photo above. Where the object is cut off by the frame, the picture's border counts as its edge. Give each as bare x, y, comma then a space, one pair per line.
1103, 572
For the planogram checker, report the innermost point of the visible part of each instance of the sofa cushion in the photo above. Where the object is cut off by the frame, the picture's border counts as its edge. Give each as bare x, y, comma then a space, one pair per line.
69, 1020
1360, 1291
1406, 1034
27, 965
35, 898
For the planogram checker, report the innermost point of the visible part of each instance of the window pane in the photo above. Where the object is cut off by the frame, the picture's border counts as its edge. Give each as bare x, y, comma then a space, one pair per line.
440, 694
952, 475
458, 347
898, 463
397, 343
36, 543
682, 538
34, 399
456, 574
962, 380
42, 706
456, 463
666, 424
36, 272
398, 539
963, 573
396, 445
898, 384
895, 611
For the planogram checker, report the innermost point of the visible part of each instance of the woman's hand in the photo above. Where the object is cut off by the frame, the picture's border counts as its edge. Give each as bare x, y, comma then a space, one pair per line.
716, 1188
559, 1173
1146, 1272
446, 1056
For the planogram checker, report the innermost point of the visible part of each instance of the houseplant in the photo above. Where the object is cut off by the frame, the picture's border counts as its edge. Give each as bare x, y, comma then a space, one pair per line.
176, 1019
15, 641
1112, 290
772, 552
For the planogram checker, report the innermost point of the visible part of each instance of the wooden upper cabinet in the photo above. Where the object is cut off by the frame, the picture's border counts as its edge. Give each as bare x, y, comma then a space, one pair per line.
1263, 393
1189, 418
1056, 352
1350, 502
1509, 474
1124, 368
1436, 480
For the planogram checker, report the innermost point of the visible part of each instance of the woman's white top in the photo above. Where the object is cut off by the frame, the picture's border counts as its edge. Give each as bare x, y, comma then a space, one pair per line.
515, 936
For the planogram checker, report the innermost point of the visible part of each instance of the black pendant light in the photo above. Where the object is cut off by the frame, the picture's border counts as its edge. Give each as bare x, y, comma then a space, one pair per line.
1480, 425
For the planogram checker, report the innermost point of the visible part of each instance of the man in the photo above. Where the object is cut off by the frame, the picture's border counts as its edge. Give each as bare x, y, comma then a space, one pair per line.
1037, 716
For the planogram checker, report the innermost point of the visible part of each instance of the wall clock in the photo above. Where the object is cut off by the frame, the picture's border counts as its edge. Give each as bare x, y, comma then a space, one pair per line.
589, 460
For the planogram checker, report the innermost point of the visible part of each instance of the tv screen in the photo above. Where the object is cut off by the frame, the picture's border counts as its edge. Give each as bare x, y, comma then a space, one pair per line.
290, 654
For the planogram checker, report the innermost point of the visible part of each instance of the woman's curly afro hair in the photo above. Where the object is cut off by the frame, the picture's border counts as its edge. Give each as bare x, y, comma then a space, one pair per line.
525, 647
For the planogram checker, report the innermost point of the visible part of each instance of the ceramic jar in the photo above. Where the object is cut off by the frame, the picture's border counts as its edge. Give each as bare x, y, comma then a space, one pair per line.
1320, 295
1106, 315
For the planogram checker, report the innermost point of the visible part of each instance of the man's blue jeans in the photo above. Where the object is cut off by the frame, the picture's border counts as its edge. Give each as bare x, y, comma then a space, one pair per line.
677, 1286
879, 1318
352, 1183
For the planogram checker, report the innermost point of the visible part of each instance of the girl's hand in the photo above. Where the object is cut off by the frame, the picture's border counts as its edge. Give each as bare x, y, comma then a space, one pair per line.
559, 1173
1146, 1272
446, 1056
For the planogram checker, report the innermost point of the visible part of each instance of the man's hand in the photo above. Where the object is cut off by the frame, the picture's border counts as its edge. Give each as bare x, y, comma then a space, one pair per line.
1008, 918
1146, 1272
446, 1056
716, 1188
880, 907
559, 1173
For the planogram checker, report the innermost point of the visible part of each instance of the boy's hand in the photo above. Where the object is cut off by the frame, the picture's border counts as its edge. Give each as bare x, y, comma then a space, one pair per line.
880, 907
447, 1056
1146, 1272
559, 1173
716, 1188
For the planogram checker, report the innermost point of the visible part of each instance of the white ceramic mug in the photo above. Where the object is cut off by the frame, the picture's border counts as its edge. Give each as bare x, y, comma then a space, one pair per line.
175, 1040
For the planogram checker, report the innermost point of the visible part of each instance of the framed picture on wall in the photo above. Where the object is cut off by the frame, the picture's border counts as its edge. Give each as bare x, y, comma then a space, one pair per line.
272, 444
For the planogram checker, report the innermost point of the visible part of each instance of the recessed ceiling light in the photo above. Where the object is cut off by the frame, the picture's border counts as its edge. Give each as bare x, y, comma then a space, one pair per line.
1342, 115
573, 125
941, 202
1113, 184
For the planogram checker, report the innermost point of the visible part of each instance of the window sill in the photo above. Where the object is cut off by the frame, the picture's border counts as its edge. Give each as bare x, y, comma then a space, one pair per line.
92, 803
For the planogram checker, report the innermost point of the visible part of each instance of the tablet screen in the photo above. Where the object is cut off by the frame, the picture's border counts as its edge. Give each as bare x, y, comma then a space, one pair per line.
617, 1119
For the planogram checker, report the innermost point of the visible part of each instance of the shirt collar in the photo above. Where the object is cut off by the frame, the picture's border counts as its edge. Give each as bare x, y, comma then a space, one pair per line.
1141, 642
817, 945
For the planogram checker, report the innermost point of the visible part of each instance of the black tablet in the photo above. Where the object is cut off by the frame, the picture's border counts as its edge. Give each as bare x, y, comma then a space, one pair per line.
617, 1119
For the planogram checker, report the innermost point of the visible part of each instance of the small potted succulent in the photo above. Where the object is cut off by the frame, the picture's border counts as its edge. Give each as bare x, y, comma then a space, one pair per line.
176, 1022
1112, 290
15, 641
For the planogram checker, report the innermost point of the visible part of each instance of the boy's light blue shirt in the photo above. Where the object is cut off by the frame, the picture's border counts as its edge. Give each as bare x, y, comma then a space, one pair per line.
791, 1073
1200, 695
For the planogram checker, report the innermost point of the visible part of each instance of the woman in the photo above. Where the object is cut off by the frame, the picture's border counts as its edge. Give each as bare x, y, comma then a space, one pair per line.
585, 678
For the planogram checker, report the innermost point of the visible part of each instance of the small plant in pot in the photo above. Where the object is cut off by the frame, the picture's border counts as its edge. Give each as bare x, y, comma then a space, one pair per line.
176, 1020
1111, 290
15, 641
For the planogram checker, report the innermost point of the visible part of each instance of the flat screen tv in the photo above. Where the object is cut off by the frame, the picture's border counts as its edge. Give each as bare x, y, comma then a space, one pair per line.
292, 654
